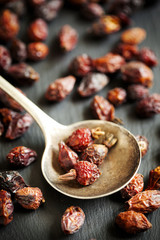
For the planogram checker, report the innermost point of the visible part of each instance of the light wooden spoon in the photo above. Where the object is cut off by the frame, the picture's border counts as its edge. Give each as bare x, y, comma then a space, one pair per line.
118, 169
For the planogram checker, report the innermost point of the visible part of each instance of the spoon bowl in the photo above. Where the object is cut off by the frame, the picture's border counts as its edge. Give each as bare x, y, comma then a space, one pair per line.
118, 169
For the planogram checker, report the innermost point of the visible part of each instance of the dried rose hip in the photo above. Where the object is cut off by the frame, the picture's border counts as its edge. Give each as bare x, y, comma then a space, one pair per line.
9, 25
72, 220
133, 187
9, 102
60, 88
127, 51
29, 197
68, 38
84, 172
137, 72
102, 109
80, 139
92, 11
38, 30
144, 202
92, 83
95, 153
154, 179
133, 222
149, 106
6, 207
37, 51
109, 63
81, 65
107, 24
133, 36
143, 144
117, 96
137, 92
11, 181
17, 6
67, 157
5, 59
18, 50
23, 73
147, 56
21, 156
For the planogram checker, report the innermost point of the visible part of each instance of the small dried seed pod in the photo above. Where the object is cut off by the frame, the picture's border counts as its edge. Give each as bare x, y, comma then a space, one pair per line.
117, 96
143, 144
154, 179
133, 36
38, 30
92, 11
37, 51
147, 56
127, 51
5, 59
137, 92
97, 133
18, 50
6, 207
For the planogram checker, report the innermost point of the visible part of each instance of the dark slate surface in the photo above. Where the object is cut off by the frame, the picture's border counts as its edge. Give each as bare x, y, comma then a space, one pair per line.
44, 224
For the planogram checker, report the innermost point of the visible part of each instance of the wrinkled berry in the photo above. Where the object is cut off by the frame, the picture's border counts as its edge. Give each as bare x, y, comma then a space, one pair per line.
147, 56
143, 144
38, 30
18, 50
92, 11
137, 92
154, 179
117, 96
37, 51
5, 59
6, 207
133, 36
127, 51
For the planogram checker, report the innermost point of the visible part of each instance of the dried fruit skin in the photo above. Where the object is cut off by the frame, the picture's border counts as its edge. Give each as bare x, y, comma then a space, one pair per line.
67, 158
29, 197
23, 73
5, 59
95, 153
18, 50
92, 83
38, 30
133, 222
17, 6
6, 207
149, 106
11, 181
21, 156
144, 202
137, 72
127, 51
137, 92
154, 179
37, 51
102, 109
109, 63
72, 220
147, 56
92, 11
143, 144
133, 36
60, 88
68, 38
80, 139
117, 96
133, 187
9, 25
81, 65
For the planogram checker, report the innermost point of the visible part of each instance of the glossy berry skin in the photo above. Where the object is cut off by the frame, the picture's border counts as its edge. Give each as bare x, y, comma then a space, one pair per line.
143, 144
133, 36
147, 56
37, 51
117, 96
137, 92
80, 139
38, 30
5, 59
18, 50
6, 207
72, 220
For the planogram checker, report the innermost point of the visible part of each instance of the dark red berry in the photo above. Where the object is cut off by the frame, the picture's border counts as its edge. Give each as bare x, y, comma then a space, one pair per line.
127, 51
18, 50
137, 92
147, 56
5, 59
37, 51
92, 11
117, 96
6, 207
38, 30
143, 144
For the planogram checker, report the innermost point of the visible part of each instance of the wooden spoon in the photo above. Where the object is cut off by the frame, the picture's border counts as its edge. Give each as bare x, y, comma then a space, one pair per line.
117, 170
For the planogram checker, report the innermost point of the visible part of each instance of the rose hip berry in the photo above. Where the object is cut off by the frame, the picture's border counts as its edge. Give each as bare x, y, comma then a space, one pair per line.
18, 50
117, 96
143, 144
5, 59
6, 207
127, 51
68, 38
137, 92
67, 157
133, 36
154, 179
72, 220
147, 56
60, 88
37, 51
38, 30
92, 11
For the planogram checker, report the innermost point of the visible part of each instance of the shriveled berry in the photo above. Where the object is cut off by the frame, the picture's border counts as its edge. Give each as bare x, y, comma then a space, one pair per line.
81, 65
109, 63
149, 106
92, 83
117, 96
137, 72
67, 157
6, 207
23, 73
137, 92
127, 51
38, 30
18, 7
37, 51
95, 153
5, 59
9, 25
68, 38
143, 144
21, 156
80, 139
133, 36
102, 109
92, 11
147, 56
133, 187
11, 181
154, 179
29, 197
60, 88
18, 50
72, 220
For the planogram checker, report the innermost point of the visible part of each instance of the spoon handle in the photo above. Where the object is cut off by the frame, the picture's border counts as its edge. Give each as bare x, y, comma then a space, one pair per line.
40, 117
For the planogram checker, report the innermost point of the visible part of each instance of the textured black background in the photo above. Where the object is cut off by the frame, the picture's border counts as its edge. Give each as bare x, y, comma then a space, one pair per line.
44, 224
